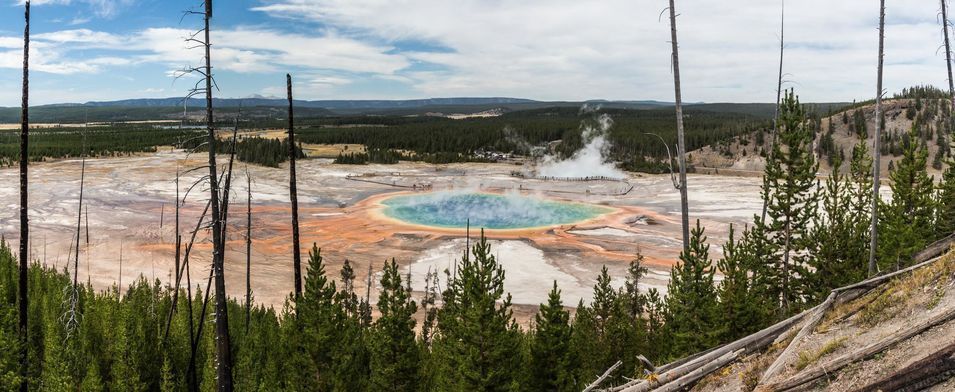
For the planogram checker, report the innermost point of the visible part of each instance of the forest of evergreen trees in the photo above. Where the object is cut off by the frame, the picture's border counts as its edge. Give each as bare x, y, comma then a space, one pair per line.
441, 140
255, 149
94, 141
814, 238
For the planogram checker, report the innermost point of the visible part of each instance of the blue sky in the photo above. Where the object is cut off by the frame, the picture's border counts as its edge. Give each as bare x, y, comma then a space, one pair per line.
86, 50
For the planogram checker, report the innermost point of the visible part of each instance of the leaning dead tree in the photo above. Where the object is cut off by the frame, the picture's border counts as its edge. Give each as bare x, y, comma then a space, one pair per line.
874, 228
293, 193
24, 216
71, 318
681, 146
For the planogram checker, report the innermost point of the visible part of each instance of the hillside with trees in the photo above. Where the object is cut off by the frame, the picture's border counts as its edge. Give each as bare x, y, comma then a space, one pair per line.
922, 112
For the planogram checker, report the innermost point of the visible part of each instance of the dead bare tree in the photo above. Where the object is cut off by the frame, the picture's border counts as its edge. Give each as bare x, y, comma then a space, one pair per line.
248, 251
222, 340
119, 287
874, 229
681, 146
178, 235
948, 54
71, 317
293, 193
24, 216
779, 92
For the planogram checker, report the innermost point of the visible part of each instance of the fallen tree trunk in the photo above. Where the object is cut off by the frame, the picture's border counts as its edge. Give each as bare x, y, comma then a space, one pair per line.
694, 376
872, 282
684, 360
861, 354
935, 249
926, 372
751, 343
806, 329
602, 377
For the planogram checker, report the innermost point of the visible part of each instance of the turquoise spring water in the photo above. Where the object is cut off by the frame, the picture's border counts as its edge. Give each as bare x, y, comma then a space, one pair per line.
489, 211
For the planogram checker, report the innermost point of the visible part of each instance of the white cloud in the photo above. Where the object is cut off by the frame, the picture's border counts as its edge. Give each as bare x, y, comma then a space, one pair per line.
101, 8
569, 49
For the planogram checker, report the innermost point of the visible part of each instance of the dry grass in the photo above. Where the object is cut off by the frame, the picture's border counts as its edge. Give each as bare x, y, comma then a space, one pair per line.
883, 307
807, 358
331, 150
882, 303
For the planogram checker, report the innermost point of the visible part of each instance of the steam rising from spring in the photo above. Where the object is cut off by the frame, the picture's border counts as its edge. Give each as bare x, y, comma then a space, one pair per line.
590, 161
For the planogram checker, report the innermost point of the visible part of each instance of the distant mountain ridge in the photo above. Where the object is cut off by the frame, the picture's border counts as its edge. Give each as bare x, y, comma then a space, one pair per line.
323, 104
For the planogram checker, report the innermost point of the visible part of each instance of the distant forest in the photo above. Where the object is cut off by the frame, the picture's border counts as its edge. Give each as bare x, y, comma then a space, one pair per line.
634, 143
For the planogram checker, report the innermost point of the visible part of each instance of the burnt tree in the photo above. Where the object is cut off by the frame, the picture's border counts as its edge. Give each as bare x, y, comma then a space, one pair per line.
293, 193
681, 145
24, 218
874, 229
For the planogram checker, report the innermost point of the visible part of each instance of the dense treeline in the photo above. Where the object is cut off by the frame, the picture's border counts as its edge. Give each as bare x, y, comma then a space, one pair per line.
96, 141
254, 149
370, 155
528, 133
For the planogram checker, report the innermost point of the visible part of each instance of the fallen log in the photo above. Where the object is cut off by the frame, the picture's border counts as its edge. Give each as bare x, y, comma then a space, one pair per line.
603, 377
686, 359
928, 371
872, 282
751, 343
694, 376
858, 355
934, 249
806, 329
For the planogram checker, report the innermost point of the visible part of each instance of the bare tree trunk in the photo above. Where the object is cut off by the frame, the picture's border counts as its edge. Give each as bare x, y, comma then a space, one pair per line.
681, 146
779, 91
876, 152
24, 216
293, 194
948, 55
223, 343
79, 220
248, 252
178, 236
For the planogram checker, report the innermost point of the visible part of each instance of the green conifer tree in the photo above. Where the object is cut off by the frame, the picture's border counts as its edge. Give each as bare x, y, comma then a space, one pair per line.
907, 220
945, 217
551, 366
838, 248
741, 306
394, 352
790, 188
478, 339
691, 318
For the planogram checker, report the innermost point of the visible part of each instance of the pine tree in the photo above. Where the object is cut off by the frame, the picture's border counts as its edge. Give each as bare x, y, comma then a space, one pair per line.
691, 318
394, 351
314, 321
626, 331
906, 225
741, 306
790, 188
478, 339
551, 363
838, 248
945, 218
595, 327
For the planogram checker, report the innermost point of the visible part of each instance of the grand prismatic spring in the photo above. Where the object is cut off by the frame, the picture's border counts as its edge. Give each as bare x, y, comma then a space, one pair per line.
486, 210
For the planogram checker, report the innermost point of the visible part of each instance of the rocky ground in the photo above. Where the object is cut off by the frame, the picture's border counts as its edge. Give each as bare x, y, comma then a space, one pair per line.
875, 317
